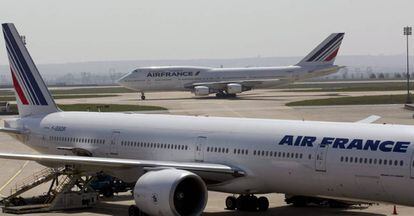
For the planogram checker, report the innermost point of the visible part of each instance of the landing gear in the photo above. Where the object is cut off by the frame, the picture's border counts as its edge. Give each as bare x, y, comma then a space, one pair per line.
135, 211
247, 202
231, 203
223, 94
142, 96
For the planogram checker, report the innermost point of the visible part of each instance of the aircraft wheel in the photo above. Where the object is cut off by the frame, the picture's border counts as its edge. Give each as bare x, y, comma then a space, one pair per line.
231, 202
231, 95
247, 203
220, 95
263, 203
142, 97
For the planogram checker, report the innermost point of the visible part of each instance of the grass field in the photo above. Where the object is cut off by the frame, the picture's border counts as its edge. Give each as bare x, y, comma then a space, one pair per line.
100, 107
12, 98
104, 90
361, 100
347, 87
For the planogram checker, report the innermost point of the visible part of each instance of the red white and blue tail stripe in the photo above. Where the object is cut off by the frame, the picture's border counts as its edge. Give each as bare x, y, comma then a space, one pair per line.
32, 94
325, 53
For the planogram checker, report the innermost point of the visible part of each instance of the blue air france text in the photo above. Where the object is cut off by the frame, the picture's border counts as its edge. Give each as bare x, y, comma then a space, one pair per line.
346, 143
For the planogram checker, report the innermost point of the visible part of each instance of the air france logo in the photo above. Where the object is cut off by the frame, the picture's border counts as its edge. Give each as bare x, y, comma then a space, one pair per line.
346, 143
173, 74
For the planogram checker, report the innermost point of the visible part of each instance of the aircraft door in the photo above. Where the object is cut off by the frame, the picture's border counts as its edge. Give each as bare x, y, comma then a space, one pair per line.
113, 146
320, 158
201, 141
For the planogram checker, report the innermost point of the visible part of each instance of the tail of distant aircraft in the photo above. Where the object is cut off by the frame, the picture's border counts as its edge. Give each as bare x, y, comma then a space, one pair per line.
325, 53
32, 95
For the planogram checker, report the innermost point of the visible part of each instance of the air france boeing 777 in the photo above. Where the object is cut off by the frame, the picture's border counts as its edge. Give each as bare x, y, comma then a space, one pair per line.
227, 82
175, 160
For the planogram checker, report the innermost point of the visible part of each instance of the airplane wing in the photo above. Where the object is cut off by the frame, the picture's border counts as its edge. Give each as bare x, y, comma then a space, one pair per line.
115, 163
370, 119
222, 84
12, 131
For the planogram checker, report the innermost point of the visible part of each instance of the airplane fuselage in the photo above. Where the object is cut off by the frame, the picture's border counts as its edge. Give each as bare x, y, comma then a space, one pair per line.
151, 79
349, 160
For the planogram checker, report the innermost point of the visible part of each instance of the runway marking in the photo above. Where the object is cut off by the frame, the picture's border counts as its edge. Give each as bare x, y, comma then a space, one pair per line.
13, 177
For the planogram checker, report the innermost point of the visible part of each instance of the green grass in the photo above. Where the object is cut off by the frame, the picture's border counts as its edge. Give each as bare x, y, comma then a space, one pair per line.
360, 100
104, 90
99, 107
108, 107
347, 87
12, 98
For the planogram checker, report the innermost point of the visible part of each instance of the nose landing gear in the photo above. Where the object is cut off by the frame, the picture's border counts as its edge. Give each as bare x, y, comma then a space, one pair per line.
142, 96
247, 202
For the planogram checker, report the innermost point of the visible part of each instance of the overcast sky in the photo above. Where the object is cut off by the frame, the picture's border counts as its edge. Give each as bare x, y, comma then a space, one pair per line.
99, 30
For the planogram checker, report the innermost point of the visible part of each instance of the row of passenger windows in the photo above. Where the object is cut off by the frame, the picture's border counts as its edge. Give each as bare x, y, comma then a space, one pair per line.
372, 161
218, 149
279, 154
153, 145
76, 139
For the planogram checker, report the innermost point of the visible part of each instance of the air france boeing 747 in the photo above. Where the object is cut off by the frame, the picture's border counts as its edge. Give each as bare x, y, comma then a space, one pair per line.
175, 160
227, 82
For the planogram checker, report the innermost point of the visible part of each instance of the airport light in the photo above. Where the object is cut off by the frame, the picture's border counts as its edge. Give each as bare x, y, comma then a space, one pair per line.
407, 32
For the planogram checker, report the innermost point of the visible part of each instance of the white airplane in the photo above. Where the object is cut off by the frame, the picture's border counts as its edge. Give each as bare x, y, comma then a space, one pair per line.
175, 160
227, 82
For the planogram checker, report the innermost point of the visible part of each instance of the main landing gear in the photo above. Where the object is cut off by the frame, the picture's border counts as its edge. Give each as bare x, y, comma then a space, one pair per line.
223, 94
247, 202
142, 96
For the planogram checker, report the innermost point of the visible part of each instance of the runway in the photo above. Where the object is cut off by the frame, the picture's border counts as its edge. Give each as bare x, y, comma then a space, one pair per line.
267, 104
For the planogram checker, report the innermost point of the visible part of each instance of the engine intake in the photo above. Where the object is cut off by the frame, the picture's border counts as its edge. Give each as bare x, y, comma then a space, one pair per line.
171, 192
234, 88
201, 90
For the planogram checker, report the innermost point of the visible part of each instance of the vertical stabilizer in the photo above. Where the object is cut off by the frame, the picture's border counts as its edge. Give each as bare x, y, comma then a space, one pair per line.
325, 53
32, 95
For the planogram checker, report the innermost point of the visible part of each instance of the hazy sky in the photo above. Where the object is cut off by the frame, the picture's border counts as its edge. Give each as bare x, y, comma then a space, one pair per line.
99, 30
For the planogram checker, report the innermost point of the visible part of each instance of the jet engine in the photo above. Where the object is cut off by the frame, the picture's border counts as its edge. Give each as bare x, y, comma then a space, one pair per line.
170, 192
201, 90
234, 88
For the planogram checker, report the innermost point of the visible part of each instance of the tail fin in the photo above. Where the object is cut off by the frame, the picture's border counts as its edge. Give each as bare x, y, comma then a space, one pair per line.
32, 95
325, 53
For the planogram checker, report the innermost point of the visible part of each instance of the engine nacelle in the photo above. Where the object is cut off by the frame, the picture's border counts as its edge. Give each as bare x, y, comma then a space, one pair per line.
170, 192
201, 90
234, 88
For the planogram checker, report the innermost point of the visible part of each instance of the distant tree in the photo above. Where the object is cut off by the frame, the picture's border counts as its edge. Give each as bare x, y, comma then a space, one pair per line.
372, 76
397, 75
381, 76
